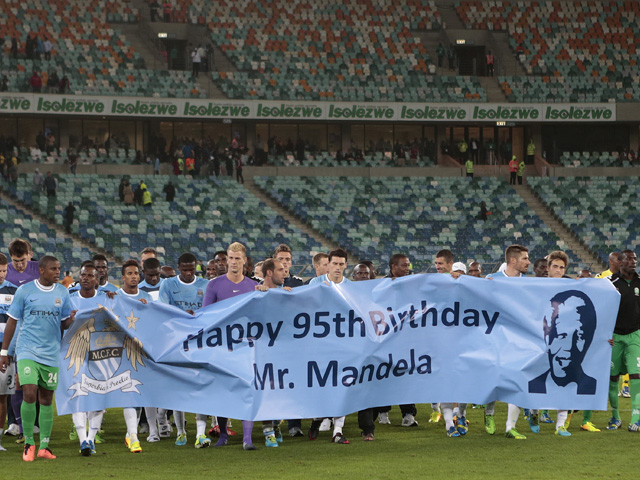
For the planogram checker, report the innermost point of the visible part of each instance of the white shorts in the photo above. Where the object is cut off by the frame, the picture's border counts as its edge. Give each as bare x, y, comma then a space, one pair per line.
8, 380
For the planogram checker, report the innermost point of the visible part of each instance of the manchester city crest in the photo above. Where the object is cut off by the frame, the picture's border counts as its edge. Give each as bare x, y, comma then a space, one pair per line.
103, 351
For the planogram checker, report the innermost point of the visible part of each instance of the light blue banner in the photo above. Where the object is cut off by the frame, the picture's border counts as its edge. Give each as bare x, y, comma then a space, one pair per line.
328, 350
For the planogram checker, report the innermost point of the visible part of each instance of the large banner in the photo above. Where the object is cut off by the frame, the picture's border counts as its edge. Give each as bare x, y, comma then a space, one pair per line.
329, 350
222, 109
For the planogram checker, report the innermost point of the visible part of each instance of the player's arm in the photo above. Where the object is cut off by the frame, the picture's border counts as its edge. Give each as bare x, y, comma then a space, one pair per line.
9, 330
67, 323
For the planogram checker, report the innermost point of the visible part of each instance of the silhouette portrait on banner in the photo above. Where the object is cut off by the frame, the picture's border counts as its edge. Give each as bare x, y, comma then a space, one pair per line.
568, 333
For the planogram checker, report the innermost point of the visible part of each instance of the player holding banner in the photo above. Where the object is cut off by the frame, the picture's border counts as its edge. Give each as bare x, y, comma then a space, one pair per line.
40, 308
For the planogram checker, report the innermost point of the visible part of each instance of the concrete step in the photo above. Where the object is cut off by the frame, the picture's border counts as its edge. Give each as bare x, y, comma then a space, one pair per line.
448, 15
327, 244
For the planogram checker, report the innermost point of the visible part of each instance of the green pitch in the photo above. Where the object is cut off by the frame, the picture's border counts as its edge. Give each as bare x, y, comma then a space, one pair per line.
397, 452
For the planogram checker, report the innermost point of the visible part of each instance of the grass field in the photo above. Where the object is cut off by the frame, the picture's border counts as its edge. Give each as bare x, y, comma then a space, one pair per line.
397, 452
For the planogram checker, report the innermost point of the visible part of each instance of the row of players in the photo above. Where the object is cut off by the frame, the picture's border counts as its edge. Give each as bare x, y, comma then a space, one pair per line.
37, 355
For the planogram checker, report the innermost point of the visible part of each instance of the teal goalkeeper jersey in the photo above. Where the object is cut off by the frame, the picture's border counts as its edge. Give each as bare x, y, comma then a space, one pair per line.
40, 311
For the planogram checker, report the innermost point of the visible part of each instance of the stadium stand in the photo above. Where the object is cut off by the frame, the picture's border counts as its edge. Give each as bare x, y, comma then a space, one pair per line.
572, 51
15, 223
352, 51
207, 214
599, 210
96, 58
594, 159
377, 217
327, 159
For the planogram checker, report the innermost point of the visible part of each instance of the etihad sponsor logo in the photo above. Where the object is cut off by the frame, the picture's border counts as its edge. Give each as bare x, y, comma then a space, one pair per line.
433, 113
362, 111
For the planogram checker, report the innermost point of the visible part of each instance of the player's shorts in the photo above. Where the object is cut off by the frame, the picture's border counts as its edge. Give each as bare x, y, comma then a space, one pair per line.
8, 380
34, 373
625, 354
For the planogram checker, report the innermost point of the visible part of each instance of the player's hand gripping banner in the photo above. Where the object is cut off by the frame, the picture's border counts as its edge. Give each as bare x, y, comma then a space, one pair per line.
329, 350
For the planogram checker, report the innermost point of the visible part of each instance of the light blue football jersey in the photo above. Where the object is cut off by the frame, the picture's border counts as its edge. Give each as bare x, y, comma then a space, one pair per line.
186, 296
40, 311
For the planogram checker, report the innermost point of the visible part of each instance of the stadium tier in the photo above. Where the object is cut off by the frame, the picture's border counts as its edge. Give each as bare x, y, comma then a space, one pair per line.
327, 159
602, 211
351, 51
206, 215
377, 217
571, 51
15, 223
96, 58
594, 159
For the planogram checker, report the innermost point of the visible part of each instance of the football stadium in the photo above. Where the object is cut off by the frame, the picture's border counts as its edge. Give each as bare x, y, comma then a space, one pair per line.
148, 146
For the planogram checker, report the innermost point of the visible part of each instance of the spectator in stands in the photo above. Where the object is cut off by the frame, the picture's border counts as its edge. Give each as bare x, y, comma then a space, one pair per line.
632, 156
50, 145
196, 59
440, 53
239, 166
73, 163
202, 52
146, 196
531, 151
41, 140
451, 57
483, 211
519, 50
463, 148
47, 49
167, 9
50, 185
127, 194
36, 154
64, 84
513, 170
474, 147
123, 183
258, 150
490, 62
228, 163
53, 82
29, 47
520, 174
170, 191
13, 171
139, 193
68, 214
300, 150
4, 86
153, 10
14, 47
469, 167
38, 180
39, 48
36, 82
